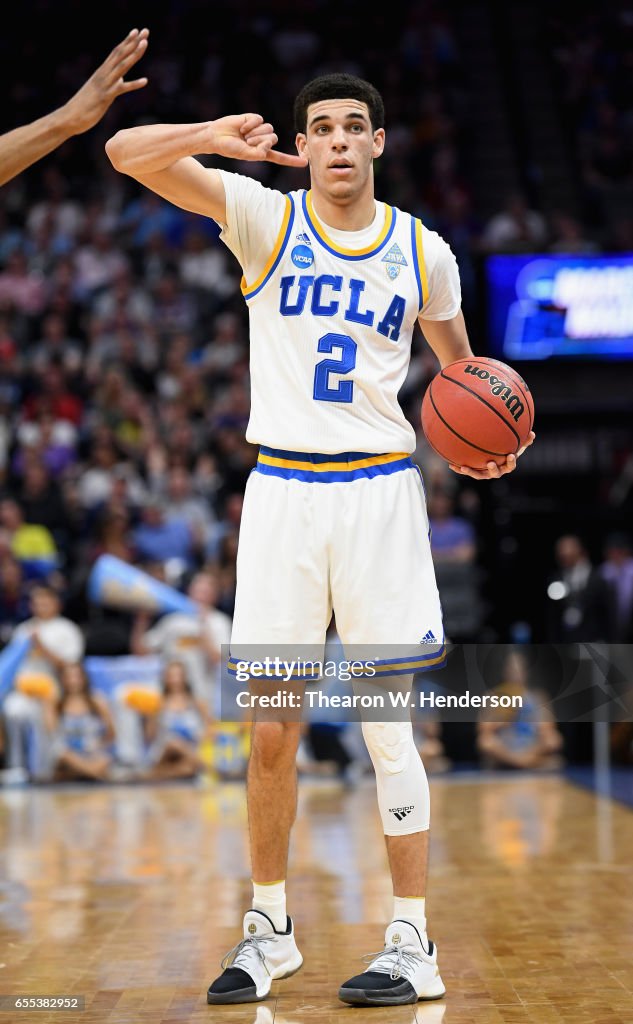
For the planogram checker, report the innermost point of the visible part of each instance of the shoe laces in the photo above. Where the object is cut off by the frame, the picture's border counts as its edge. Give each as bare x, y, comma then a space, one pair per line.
244, 949
396, 958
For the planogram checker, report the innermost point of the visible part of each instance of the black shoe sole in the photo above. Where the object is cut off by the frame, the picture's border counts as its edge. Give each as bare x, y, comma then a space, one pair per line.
364, 997
242, 995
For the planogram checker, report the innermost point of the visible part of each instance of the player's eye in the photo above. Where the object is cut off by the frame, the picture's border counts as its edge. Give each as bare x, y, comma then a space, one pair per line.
356, 128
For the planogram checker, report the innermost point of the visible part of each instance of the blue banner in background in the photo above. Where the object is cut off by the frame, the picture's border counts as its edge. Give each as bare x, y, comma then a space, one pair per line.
548, 305
106, 674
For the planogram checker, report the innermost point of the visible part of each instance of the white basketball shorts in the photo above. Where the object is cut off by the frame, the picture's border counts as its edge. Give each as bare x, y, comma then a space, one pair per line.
347, 533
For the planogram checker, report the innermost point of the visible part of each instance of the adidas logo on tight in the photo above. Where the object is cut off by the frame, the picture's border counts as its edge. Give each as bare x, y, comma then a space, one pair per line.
428, 638
401, 812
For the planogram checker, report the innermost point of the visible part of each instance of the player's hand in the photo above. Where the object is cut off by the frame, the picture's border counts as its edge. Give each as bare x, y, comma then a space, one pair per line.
249, 137
90, 103
492, 470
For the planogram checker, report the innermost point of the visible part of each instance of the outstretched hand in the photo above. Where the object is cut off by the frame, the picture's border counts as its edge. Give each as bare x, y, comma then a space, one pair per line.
90, 103
492, 470
249, 137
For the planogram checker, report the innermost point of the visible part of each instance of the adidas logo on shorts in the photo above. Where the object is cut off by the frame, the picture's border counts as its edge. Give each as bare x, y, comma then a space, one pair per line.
428, 638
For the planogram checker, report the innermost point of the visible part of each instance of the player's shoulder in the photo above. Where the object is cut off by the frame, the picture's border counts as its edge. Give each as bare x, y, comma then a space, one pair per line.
433, 243
242, 186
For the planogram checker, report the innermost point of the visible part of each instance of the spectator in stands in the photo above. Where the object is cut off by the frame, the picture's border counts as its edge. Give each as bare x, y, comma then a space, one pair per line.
21, 288
175, 732
54, 396
194, 639
578, 608
42, 500
158, 539
31, 544
225, 348
51, 441
227, 525
56, 345
516, 228
454, 555
568, 236
180, 502
14, 601
81, 728
97, 264
452, 536
617, 572
525, 737
55, 643
203, 267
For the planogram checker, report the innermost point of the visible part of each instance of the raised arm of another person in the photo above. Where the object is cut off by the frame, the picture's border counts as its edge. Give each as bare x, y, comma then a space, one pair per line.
23, 146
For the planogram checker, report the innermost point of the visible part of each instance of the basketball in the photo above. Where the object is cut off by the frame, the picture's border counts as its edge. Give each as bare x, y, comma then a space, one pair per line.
477, 411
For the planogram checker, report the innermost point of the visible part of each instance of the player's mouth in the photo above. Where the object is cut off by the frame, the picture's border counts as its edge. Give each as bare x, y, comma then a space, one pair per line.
340, 167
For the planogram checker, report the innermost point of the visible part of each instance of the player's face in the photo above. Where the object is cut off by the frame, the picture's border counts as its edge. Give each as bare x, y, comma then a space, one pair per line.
341, 146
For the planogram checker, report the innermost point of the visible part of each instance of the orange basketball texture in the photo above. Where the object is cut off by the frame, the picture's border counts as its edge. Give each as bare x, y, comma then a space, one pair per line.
477, 411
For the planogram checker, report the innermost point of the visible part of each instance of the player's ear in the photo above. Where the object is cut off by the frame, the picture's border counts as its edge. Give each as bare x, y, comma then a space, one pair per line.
379, 142
301, 142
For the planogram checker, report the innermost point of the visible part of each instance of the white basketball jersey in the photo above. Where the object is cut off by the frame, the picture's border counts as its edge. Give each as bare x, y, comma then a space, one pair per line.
330, 336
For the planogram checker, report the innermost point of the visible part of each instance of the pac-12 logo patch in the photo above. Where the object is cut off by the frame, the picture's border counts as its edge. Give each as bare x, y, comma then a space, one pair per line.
395, 261
302, 257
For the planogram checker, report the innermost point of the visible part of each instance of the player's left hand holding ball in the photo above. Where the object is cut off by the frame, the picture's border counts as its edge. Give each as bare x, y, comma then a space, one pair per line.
493, 470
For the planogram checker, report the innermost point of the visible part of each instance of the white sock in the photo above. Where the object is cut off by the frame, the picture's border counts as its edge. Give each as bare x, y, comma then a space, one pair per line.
270, 897
411, 909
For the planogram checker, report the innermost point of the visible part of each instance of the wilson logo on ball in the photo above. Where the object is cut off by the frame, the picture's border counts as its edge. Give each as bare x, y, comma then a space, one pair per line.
500, 389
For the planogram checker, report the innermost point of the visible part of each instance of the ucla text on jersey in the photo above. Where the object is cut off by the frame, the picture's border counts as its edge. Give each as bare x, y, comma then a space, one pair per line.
331, 335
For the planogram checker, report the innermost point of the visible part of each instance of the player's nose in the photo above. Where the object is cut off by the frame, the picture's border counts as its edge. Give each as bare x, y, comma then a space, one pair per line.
338, 138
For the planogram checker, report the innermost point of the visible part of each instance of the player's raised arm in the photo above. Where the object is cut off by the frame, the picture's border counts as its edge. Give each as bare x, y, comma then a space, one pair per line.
162, 157
24, 145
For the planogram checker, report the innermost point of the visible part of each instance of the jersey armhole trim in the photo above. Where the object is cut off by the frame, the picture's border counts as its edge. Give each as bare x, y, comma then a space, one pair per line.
419, 262
249, 291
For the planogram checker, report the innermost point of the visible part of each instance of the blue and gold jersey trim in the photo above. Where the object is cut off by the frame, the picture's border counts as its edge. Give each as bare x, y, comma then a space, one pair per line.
419, 264
250, 290
329, 469
348, 254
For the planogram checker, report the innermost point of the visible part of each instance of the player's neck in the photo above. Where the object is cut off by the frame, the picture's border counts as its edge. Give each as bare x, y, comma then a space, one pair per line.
352, 215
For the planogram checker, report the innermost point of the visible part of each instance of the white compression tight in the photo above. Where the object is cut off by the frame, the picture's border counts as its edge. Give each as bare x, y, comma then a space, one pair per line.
403, 788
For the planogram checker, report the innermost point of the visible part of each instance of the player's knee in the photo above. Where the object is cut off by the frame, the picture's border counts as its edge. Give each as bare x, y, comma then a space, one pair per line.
390, 745
274, 743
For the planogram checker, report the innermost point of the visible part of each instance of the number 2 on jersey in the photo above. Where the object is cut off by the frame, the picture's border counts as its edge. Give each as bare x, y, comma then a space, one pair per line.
344, 389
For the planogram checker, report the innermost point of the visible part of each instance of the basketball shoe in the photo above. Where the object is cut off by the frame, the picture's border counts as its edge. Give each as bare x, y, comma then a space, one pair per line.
262, 956
402, 973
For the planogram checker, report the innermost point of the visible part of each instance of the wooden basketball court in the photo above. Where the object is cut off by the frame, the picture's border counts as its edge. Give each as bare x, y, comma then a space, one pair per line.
130, 895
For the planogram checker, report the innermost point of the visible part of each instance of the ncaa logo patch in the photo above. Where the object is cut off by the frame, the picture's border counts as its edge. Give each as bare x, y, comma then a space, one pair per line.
302, 257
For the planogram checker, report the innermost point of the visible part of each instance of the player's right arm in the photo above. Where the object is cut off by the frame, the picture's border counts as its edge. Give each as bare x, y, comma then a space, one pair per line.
162, 157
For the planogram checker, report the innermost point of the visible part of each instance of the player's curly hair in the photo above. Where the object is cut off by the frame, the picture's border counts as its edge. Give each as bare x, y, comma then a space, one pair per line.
339, 87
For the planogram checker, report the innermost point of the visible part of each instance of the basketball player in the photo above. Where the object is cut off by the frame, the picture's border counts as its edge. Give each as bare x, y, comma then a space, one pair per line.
334, 515
24, 145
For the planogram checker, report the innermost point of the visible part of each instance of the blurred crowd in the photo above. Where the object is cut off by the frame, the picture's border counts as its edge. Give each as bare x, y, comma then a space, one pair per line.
593, 63
124, 384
